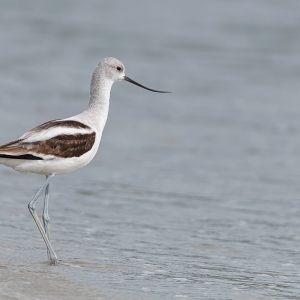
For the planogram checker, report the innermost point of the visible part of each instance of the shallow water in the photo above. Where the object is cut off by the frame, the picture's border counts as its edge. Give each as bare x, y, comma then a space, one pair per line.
192, 195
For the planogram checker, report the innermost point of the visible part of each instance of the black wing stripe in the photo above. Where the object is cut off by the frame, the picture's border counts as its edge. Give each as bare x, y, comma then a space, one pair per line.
23, 156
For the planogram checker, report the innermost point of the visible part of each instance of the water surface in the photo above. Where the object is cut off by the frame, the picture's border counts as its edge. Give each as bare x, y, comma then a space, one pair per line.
193, 194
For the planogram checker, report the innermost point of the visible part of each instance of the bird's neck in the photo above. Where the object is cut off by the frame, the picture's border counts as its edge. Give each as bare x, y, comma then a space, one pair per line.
99, 100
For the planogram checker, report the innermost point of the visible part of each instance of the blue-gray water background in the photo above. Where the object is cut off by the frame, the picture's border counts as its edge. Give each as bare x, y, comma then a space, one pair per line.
193, 194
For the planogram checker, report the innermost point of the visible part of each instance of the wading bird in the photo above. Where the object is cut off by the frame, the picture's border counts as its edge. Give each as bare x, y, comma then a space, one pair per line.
65, 145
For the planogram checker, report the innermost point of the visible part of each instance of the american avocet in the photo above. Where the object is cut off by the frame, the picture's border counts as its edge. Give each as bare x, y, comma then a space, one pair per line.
62, 146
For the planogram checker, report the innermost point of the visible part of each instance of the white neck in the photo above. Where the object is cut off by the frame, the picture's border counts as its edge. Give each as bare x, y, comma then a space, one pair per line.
98, 107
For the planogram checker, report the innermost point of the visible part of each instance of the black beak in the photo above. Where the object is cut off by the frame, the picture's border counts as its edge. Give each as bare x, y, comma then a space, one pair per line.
134, 82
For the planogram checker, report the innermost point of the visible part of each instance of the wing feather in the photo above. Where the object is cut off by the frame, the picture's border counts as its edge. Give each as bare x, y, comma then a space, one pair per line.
59, 138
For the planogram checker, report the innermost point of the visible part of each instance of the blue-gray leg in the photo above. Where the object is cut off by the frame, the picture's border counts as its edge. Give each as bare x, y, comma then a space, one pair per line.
31, 206
46, 218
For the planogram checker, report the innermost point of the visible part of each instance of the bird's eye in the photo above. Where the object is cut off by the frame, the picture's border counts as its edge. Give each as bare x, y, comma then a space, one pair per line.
119, 68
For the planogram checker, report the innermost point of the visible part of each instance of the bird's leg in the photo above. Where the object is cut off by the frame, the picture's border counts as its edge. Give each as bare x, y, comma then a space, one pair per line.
31, 207
46, 218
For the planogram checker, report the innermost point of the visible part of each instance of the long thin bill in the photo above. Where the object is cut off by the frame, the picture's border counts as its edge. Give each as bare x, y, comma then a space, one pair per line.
142, 86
